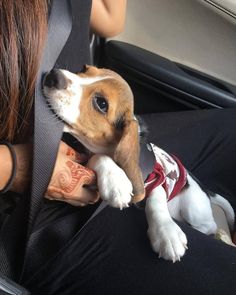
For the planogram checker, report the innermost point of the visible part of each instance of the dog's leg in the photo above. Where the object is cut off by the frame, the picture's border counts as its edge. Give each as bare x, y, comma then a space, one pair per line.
113, 184
195, 208
165, 235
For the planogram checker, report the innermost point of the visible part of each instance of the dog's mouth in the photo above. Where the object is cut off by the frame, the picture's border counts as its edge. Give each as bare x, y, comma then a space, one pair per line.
83, 145
61, 118
84, 153
69, 135
60, 96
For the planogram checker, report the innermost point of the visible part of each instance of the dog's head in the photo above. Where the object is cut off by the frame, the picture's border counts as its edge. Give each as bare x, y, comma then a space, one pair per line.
97, 108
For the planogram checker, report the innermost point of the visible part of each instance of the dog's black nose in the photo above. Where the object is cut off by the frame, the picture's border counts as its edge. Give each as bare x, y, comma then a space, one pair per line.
55, 78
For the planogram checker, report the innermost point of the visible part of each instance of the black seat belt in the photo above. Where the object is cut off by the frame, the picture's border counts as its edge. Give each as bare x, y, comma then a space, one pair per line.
47, 131
7, 287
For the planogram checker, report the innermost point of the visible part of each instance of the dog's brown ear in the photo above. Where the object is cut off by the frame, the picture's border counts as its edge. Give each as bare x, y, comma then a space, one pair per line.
126, 155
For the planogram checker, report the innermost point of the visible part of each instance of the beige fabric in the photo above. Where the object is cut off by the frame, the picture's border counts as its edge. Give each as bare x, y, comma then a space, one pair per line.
227, 6
223, 232
220, 218
192, 32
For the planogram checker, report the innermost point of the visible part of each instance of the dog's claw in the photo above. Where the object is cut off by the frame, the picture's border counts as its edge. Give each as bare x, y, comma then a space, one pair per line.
176, 258
122, 206
169, 242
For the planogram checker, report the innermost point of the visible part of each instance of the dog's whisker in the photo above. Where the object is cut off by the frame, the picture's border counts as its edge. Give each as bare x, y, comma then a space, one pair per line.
54, 119
55, 115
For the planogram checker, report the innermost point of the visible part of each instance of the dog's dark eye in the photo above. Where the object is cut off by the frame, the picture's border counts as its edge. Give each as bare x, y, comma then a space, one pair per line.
100, 103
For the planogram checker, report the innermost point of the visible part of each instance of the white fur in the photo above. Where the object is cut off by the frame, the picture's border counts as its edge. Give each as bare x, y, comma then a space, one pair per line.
113, 184
193, 207
165, 235
66, 102
80, 81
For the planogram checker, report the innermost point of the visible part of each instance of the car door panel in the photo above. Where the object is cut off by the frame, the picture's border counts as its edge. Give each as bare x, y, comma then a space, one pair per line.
199, 34
164, 84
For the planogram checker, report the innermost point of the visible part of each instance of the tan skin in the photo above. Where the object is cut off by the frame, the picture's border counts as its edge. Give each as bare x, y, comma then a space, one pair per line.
68, 179
108, 17
112, 14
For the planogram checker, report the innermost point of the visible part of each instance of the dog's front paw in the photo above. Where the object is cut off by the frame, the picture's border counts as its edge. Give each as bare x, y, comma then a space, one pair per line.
115, 188
113, 184
168, 240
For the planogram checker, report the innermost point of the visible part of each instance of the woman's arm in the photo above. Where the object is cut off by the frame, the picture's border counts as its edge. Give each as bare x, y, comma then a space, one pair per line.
6, 165
68, 178
108, 17
23, 170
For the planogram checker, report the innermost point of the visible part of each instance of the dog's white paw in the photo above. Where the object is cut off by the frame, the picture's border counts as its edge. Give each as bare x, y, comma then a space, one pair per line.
168, 240
115, 187
113, 184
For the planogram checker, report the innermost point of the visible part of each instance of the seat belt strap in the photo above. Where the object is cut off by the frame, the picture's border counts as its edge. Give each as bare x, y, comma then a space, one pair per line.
47, 130
8, 287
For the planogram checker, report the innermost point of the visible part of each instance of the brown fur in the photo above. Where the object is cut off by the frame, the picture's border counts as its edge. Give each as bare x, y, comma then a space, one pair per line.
114, 132
102, 129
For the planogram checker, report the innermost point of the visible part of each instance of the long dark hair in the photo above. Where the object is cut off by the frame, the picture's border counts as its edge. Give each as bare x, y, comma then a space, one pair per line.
23, 26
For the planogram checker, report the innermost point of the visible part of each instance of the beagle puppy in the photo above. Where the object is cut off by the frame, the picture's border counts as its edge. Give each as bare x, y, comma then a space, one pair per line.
97, 109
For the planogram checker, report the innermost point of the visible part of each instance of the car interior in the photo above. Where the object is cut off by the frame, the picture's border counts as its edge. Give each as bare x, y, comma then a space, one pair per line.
178, 55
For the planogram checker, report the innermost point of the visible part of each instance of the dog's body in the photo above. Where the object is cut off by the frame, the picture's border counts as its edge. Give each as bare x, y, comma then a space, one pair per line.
191, 204
97, 107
